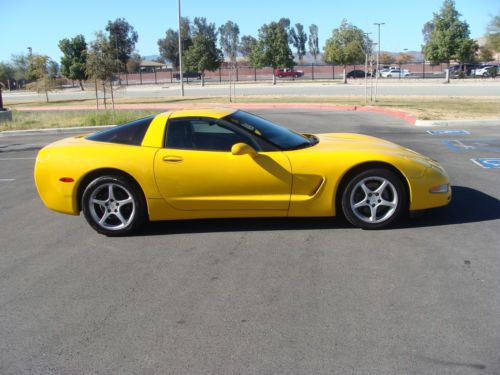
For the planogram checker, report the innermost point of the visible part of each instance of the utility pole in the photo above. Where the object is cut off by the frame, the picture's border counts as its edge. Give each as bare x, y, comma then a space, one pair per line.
180, 50
378, 57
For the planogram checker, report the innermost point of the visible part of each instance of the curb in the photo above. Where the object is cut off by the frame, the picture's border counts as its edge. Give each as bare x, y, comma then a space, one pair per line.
457, 123
77, 129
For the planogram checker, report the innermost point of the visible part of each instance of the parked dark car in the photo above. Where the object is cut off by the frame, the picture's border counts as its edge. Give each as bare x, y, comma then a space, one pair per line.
468, 69
187, 74
357, 74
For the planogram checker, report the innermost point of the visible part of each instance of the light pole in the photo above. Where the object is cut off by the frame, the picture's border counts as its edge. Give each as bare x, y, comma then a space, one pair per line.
378, 57
180, 51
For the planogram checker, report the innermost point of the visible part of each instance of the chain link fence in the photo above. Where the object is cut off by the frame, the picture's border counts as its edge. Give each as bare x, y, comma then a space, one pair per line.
309, 72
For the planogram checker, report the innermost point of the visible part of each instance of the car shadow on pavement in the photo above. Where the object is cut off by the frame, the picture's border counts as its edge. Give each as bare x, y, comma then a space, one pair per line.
467, 206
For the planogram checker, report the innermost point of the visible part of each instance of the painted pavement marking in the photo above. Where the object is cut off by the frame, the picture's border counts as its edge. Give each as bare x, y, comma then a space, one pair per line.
487, 163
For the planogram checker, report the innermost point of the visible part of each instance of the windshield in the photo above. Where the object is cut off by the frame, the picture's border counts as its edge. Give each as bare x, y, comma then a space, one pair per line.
281, 137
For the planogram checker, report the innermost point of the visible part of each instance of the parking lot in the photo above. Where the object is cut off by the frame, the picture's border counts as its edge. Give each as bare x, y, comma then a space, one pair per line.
266, 296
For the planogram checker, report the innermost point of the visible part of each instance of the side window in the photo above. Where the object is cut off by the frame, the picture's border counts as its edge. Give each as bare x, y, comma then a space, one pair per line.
130, 133
204, 135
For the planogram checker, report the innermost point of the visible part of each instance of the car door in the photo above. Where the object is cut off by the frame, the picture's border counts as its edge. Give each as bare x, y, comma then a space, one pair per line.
197, 171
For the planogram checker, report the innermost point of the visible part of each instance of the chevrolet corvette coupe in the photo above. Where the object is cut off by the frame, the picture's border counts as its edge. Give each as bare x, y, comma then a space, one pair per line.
224, 163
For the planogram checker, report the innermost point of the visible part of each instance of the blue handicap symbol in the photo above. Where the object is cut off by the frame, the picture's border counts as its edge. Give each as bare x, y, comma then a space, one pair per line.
488, 163
448, 132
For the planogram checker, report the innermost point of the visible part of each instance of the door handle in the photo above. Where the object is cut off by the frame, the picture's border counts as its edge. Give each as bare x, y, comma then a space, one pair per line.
172, 159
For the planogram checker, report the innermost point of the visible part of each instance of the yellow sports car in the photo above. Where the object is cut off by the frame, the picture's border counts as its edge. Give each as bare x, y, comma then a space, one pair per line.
222, 163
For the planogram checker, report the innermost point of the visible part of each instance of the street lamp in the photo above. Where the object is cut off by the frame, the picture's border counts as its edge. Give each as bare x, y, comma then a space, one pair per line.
378, 57
180, 51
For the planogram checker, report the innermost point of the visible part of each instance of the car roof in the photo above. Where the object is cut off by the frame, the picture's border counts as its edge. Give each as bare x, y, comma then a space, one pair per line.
202, 112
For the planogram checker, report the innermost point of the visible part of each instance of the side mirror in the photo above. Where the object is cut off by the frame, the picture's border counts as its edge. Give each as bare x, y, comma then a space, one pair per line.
243, 149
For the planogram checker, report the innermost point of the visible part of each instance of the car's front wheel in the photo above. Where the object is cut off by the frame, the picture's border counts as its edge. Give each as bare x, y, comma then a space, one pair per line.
374, 199
113, 206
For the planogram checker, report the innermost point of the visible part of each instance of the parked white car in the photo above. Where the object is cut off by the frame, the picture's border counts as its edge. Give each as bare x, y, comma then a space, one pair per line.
388, 73
482, 71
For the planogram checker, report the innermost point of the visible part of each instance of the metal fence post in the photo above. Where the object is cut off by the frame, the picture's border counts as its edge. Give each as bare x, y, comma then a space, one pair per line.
220, 75
236, 73
333, 72
255, 74
423, 70
312, 70
126, 78
140, 76
171, 74
156, 81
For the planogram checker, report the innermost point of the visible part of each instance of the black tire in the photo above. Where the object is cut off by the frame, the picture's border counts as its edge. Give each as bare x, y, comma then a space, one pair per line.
119, 204
367, 204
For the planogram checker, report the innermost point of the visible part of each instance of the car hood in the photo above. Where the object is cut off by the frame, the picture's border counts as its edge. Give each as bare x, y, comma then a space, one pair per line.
342, 142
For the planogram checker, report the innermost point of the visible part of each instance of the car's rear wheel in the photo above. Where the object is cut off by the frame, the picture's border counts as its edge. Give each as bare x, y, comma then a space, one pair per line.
113, 205
374, 199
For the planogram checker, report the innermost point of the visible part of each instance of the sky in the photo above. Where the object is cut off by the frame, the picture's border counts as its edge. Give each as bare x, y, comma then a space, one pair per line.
41, 24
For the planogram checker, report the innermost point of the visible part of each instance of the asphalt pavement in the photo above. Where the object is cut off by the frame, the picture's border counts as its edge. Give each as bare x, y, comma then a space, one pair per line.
258, 296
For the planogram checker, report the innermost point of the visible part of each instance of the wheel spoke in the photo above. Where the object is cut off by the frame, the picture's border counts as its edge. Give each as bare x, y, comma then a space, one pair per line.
125, 201
382, 187
100, 202
361, 204
387, 203
366, 189
373, 214
104, 217
111, 195
120, 217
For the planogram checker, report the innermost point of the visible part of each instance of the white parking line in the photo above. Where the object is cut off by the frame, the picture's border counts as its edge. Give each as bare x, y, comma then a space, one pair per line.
4, 159
7, 179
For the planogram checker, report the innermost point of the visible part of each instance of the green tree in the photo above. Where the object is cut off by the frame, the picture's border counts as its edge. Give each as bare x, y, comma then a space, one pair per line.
101, 64
272, 48
247, 44
134, 63
347, 45
298, 38
74, 58
313, 41
449, 38
229, 39
7, 73
38, 73
493, 34
20, 64
485, 54
169, 46
203, 54
122, 39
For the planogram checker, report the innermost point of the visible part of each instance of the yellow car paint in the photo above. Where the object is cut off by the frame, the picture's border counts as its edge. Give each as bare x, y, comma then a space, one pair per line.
185, 184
